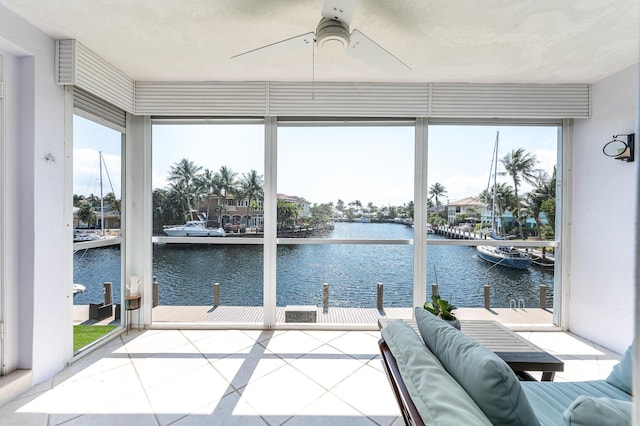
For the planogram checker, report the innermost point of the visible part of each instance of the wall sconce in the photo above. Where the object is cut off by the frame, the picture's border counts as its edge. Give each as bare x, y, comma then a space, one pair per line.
619, 149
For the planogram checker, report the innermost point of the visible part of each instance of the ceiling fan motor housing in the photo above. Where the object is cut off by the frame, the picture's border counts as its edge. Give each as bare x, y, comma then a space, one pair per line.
332, 36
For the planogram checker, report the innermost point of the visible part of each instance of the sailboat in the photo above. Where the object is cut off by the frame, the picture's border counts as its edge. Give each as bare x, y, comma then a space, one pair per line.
506, 256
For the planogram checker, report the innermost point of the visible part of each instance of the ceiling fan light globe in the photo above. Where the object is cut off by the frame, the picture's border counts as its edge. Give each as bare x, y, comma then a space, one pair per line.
332, 36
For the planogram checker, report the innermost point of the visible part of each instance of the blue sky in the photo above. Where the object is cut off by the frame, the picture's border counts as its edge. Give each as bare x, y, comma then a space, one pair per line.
322, 164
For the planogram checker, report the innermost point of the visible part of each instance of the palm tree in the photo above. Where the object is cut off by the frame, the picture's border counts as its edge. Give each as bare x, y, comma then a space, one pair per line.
207, 184
521, 167
436, 191
183, 174
87, 213
252, 188
504, 199
228, 181
542, 199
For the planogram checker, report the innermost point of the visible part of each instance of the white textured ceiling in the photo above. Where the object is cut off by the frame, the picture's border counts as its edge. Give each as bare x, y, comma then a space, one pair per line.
512, 41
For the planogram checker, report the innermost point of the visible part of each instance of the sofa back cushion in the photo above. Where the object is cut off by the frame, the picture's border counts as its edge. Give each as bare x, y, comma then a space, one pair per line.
439, 399
620, 376
485, 377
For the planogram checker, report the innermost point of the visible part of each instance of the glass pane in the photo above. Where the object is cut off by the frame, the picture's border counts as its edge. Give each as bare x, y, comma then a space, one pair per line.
208, 185
97, 162
354, 175
461, 276
352, 272
346, 183
492, 183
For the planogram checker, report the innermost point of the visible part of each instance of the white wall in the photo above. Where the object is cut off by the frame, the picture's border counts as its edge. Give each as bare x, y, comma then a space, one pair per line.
605, 208
38, 268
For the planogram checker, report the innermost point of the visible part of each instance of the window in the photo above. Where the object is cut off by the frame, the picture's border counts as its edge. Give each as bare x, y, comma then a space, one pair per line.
97, 211
462, 177
349, 191
199, 171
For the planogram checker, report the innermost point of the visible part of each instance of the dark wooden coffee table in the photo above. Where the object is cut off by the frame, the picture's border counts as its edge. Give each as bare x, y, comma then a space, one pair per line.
519, 354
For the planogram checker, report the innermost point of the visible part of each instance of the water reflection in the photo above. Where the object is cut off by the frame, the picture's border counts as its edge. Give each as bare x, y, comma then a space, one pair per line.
186, 273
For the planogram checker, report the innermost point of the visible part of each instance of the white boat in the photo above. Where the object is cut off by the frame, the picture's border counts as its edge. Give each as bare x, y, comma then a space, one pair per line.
78, 288
217, 232
193, 228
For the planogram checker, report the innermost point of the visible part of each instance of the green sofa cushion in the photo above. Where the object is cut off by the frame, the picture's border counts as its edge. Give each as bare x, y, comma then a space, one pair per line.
485, 377
439, 399
621, 374
549, 400
587, 410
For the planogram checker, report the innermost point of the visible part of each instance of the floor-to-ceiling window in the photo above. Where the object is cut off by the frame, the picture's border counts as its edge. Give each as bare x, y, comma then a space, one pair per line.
208, 221
97, 237
344, 207
487, 183
344, 220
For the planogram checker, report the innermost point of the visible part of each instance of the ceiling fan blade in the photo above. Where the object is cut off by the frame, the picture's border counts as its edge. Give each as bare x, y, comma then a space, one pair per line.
367, 50
340, 10
283, 46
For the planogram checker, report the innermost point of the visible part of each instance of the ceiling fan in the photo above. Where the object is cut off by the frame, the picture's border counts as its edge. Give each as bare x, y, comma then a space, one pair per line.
332, 36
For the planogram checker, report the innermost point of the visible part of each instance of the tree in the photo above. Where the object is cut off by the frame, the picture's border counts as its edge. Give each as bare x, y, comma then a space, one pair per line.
207, 184
167, 208
228, 182
504, 201
340, 205
544, 190
520, 166
321, 214
252, 188
87, 213
436, 191
287, 212
182, 174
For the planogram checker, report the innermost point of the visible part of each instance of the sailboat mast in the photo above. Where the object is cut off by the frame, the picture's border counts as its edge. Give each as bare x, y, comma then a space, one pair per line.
101, 198
495, 174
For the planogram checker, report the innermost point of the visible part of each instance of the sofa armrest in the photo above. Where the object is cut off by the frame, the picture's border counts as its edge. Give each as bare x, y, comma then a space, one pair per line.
407, 407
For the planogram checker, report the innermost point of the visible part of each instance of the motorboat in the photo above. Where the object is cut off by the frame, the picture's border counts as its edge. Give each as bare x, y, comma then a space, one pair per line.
78, 288
510, 257
217, 232
193, 228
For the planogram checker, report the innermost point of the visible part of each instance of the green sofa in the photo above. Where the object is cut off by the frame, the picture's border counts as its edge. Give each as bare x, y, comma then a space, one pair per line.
442, 377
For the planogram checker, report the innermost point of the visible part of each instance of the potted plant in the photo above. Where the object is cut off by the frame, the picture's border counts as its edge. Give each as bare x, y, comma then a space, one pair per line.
442, 309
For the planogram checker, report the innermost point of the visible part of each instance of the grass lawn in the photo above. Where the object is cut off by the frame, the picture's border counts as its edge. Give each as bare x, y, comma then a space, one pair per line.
85, 334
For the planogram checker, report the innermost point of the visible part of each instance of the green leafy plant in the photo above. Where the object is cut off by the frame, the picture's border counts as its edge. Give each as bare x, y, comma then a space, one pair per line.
440, 308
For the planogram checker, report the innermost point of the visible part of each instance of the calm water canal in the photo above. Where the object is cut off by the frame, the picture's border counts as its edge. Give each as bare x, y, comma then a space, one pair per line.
186, 273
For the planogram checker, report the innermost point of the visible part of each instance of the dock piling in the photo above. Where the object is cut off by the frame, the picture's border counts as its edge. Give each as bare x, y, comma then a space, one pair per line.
434, 289
487, 296
108, 293
154, 291
543, 296
380, 296
216, 295
325, 298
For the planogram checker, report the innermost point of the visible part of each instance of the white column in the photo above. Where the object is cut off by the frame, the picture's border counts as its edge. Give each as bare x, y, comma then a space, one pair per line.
137, 212
562, 269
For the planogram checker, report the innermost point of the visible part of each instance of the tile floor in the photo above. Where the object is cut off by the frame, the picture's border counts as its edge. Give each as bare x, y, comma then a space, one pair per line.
244, 377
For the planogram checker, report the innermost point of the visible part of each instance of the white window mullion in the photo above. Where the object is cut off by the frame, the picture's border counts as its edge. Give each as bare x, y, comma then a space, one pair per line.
270, 220
420, 213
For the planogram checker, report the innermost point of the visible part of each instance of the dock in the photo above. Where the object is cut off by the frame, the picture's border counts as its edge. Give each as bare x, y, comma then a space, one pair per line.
233, 317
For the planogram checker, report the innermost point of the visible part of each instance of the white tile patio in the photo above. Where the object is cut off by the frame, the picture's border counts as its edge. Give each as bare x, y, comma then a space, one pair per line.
244, 377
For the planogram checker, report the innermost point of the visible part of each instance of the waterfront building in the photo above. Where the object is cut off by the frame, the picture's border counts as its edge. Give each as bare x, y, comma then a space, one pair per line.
466, 206
129, 68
